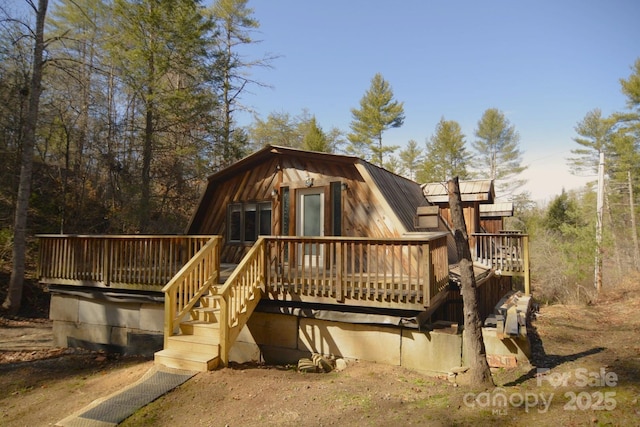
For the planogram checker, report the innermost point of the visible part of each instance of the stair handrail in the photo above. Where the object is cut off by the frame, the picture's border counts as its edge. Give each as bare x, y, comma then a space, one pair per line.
192, 281
238, 296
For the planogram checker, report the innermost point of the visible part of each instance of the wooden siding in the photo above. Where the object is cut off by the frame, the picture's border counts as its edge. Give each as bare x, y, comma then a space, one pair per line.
491, 225
375, 203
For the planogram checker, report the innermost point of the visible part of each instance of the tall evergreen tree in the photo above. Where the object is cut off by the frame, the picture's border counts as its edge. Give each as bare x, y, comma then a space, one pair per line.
446, 155
315, 139
498, 155
410, 159
378, 112
236, 24
631, 88
160, 48
594, 135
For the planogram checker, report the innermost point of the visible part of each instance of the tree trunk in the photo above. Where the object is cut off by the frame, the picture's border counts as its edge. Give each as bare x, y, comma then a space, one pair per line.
14, 294
634, 230
479, 373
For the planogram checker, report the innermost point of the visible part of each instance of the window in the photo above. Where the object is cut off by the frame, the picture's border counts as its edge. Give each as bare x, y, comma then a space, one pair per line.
247, 221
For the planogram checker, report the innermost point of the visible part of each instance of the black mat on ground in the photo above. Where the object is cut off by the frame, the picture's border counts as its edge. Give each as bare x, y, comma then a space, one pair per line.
120, 406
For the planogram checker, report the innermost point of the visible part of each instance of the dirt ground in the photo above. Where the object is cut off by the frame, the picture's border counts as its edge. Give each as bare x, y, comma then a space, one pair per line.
592, 353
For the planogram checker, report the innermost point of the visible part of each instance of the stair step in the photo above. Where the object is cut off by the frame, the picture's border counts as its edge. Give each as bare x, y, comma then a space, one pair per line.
205, 314
199, 328
211, 300
195, 343
187, 360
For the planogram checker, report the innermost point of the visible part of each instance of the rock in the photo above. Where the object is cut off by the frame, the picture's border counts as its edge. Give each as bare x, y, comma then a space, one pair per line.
341, 364
459, 369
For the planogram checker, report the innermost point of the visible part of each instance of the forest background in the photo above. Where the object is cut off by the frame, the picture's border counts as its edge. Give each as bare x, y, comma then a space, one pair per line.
139, 103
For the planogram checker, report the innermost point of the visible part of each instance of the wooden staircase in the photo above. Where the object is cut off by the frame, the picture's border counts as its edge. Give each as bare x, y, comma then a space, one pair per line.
203, 318
197, 346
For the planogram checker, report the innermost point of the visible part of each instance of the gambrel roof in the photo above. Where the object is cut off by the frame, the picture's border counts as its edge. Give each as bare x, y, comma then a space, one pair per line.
401, 195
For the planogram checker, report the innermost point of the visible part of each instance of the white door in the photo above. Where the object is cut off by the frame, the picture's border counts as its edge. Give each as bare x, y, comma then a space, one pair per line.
310, 222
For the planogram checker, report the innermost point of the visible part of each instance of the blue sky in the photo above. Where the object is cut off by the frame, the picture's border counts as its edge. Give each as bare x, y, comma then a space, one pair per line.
545, 64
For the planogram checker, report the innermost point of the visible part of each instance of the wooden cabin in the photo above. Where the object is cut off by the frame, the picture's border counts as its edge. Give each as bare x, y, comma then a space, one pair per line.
492, 216
288, 253
288, 192
473, 194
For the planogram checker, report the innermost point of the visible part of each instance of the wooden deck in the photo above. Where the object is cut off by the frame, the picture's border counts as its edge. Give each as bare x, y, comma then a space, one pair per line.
506, 253
402, 273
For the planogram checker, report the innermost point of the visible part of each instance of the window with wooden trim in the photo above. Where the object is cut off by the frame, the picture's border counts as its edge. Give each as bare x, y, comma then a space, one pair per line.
247, 221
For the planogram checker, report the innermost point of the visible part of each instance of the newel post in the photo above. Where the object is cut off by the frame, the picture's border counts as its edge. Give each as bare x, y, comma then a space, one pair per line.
224, 329
169, 308
525, 254
339, 273
427, 280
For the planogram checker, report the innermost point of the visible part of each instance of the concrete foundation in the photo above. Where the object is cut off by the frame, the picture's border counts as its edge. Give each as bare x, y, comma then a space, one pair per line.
124, 327
275, 338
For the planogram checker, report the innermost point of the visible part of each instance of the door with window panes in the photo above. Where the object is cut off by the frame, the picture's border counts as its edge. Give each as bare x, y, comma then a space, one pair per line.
310, 222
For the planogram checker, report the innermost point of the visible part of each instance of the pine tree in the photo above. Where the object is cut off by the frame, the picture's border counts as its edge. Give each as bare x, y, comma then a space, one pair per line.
410, 159
378, 112
160, 49
498, 156
594, 135
236, 24
446, 154
315, 139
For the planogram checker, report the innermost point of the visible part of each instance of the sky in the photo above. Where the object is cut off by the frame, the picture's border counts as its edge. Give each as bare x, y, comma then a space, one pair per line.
545, 64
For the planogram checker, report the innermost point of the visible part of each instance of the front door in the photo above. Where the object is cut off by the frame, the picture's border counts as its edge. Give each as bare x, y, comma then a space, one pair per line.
310, 222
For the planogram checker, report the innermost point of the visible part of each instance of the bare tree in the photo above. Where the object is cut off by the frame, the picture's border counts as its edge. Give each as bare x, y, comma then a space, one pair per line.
14, 295
479, 372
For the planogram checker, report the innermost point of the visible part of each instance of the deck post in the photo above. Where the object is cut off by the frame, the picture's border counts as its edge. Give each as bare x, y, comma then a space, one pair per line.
106, 276
224, 330
339, 276
527, 283
169, 307
428, 274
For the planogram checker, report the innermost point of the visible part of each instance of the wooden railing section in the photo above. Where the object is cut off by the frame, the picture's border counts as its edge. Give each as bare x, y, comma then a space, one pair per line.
193, 281
394, 273
127, 262
240, 295
507, 253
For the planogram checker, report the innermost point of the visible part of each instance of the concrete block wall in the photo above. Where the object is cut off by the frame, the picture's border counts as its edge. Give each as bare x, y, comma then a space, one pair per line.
137, 328
279, 338
132, 328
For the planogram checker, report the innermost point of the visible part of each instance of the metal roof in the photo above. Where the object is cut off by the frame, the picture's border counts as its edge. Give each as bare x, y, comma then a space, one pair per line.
470, 191
496, 210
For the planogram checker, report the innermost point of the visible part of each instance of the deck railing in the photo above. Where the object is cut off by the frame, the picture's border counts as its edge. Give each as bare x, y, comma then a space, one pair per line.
507, 253
127, 262
193, 280
240, 295
394, 273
